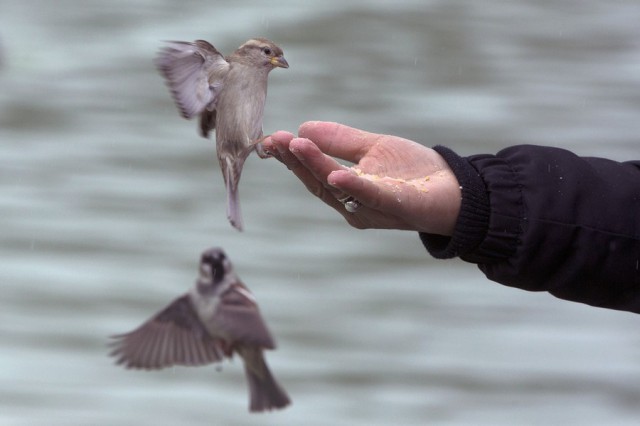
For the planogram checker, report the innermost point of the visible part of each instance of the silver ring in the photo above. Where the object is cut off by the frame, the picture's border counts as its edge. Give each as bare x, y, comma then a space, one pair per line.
351, 204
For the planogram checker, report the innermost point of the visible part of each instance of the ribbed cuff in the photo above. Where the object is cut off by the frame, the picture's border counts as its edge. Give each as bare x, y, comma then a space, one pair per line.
473, 219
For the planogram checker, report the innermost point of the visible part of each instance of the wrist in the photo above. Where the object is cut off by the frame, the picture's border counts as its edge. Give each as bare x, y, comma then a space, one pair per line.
469, 213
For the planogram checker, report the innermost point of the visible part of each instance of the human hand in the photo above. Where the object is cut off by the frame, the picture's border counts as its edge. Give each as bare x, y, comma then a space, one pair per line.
400, 183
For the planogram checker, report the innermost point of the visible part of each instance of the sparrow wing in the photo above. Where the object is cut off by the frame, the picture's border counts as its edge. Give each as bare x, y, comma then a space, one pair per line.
194, 73
174, 336
239, 317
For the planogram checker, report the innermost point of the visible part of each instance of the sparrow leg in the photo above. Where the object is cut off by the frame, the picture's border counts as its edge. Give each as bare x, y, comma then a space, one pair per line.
260, 149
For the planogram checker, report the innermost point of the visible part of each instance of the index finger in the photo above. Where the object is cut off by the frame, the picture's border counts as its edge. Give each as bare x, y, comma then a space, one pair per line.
338, 140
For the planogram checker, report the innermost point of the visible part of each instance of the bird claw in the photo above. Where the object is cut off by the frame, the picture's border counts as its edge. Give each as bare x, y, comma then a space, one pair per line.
262, 153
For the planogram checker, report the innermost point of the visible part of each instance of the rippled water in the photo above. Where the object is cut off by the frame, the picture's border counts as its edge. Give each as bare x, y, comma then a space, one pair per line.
108, 197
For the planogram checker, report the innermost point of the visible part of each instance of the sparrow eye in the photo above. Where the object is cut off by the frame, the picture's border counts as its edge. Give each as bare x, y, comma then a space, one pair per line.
267, 51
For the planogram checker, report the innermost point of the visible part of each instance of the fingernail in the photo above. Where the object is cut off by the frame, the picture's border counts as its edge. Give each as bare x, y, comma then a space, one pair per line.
335, 175
331, 178
294, 147
306, 124
279, 148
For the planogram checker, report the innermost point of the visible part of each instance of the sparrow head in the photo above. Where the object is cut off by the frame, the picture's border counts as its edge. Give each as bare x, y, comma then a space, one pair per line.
261, 52
215, 266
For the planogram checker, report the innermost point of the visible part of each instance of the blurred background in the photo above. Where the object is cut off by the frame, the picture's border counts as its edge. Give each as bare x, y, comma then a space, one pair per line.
107, 198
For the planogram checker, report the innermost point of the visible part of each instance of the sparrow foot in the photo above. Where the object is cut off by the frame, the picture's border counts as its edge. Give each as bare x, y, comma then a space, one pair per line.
262, 153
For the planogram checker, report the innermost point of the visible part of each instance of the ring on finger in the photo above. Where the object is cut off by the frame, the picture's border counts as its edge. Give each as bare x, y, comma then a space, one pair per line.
351, 204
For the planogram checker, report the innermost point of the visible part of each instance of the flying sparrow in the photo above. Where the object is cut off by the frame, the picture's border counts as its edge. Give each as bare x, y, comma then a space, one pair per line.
228, 94
217, 317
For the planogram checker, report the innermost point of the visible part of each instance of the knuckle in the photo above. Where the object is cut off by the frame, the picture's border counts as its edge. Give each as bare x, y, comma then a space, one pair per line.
292, 164
317, 189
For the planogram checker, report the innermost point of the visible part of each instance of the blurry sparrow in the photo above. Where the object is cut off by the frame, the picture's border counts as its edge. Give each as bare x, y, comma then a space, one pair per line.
228, 94
217, 317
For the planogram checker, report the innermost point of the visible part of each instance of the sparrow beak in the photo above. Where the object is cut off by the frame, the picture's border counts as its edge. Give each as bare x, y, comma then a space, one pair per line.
279, 61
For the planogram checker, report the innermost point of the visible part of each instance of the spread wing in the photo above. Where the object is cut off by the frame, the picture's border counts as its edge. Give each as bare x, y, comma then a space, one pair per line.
194, 73
175, 336
240, 318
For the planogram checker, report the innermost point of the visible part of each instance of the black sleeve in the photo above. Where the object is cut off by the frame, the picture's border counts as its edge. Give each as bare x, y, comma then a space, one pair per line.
543, 219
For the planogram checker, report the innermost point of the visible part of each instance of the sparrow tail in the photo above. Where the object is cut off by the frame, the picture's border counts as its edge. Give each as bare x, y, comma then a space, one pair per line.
264, 392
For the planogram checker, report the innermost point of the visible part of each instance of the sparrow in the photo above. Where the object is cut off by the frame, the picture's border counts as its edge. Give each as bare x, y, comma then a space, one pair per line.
216, 318
228, 93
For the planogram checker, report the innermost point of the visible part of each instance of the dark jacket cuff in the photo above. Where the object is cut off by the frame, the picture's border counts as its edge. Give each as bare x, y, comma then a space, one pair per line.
473, 219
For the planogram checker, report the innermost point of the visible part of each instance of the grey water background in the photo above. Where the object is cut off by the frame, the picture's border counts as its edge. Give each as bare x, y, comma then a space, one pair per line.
107, 197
